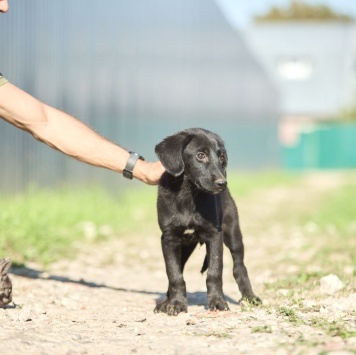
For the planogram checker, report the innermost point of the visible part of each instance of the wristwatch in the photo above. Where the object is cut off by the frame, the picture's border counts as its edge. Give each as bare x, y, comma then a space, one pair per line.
131, 162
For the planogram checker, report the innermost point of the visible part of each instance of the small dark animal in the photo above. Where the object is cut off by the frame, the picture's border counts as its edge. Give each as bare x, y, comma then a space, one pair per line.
194, 206
5, 282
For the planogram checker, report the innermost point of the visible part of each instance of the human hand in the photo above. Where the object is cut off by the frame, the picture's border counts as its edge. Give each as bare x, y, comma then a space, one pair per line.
148, 172
4, 6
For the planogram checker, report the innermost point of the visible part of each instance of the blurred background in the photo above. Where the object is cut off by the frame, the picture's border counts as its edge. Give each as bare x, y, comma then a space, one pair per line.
276, 79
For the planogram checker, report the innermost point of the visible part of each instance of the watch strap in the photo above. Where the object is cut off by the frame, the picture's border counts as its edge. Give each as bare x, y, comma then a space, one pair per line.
130, 165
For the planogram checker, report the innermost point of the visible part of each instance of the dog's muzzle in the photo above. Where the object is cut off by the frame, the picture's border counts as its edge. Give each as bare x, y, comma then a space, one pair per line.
220, 184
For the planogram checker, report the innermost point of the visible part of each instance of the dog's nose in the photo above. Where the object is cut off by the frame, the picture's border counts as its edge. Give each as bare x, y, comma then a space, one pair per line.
221, 183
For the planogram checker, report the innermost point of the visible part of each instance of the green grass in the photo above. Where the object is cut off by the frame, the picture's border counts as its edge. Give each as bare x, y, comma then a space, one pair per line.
337, 211
289, 314
262, 329
335, 220
243, 184
43, 225
334, 328
305, 280
328, 229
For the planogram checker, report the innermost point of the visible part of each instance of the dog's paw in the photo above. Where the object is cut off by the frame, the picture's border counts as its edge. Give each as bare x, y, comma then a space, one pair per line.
172, 308
176, 307
218, 304
161, 307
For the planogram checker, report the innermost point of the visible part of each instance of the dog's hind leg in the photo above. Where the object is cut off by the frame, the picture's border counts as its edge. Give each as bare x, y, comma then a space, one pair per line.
187, 251
233, 240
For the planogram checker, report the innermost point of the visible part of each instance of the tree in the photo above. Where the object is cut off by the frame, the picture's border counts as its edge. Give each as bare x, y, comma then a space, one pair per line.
302, 11
348, 113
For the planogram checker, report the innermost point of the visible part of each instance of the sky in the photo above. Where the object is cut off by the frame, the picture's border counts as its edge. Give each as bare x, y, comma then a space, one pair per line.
240, 12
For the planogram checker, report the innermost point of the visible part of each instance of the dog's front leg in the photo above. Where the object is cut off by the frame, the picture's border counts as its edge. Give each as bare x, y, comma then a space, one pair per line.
216, 299
176, 301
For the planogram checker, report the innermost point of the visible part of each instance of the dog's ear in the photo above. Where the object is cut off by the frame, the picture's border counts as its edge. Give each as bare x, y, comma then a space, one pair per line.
170, 152
4, 266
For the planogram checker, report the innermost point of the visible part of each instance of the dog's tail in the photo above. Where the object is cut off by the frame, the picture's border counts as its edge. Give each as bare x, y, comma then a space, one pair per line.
205, 265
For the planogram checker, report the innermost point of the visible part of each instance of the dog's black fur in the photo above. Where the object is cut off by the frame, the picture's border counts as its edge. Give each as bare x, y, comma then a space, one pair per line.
194, 206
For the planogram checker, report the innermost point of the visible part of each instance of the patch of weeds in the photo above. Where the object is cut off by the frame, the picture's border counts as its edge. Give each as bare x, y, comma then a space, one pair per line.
262, 329
221, 335
305, 279
297, 302
290, 314
310, 309
268, 309
301, 340
246, 305
335, 328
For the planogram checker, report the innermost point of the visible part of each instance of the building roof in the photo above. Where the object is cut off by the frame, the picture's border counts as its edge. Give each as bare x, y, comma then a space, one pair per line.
313, 65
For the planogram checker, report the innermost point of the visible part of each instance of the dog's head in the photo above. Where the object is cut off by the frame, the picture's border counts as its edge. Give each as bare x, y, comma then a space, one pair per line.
197, 153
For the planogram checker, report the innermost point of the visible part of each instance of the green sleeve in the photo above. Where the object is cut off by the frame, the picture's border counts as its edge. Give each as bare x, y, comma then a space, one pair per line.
2, 80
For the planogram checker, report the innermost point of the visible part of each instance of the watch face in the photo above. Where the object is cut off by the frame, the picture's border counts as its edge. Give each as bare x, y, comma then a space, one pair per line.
127, 174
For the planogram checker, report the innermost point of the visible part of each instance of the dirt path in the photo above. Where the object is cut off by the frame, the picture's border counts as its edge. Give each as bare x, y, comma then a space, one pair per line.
102, 303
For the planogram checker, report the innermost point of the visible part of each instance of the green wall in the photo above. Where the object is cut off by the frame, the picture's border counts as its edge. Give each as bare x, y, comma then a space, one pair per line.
323, 146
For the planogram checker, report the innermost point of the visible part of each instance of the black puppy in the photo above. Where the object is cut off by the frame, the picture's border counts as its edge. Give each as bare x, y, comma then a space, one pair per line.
194, 206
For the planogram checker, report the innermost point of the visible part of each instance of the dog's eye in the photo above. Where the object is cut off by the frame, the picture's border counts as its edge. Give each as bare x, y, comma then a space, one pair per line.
201, 156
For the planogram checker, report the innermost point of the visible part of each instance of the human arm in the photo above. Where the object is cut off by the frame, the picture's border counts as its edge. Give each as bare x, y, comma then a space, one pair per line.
68, 135
4, 6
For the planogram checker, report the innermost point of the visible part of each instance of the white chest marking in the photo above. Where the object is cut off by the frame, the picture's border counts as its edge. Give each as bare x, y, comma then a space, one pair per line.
188, 231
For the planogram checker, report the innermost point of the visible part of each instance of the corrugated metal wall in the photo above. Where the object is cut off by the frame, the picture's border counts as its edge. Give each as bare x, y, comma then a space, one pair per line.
136, 71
